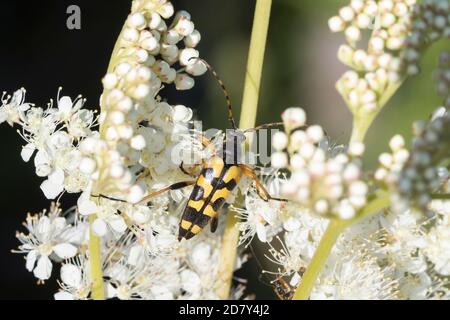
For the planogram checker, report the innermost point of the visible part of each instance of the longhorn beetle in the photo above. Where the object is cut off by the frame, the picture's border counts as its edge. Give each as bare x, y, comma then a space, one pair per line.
283, 290
219, 176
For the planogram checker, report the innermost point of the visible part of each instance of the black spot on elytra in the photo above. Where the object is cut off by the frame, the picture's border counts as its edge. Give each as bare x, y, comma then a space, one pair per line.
230, 185
198, 193
218, 204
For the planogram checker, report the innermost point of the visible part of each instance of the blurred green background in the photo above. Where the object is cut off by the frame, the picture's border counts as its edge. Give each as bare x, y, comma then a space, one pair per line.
301, 69
39, 53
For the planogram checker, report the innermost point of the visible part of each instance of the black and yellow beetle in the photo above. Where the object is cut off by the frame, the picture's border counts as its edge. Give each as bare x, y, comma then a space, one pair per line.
284, 290
219, 176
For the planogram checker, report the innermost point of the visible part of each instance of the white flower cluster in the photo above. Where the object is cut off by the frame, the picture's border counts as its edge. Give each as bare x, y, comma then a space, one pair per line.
140, 146
393, 256
356, 275
418, 249
137, 129
259, 217
327, 185
53, 135
392, 164
352, 271
50, 238
379, 66
438, 238
145, 263
431, 22
400, 255
413, 178
443, 78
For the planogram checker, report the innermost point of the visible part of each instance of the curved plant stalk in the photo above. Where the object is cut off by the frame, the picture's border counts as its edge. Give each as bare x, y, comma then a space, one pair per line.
95, 254
363, 122
331, 235
361, 125
248, 119
440, 196
95, 261
336, 227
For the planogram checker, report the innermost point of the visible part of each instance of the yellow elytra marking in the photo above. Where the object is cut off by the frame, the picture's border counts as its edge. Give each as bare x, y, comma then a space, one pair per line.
206, 185
233, 173
217, 164
209, 211
222, 193
186, 224
197, 205
196, 229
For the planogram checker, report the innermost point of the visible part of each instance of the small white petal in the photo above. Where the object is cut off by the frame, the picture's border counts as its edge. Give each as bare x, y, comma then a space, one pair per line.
65, 250
42, 158
138, 143
71, 275
161, 293
261, 232
135, 255
27, 152
43, 226
88, 165
292, 224
44, 267
200, 256
135, 195
59, 223
57, 177
65, 105
63, 296
111, 292
24, 107
117, 224
190, 281
86, 207
31, 260
295, 280
78, 105
51, 190
100, 228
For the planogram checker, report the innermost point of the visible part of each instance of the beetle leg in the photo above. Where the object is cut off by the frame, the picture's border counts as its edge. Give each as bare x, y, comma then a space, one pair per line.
260, 188
214, 224
186, 172
207, 144
176, 186
108, 198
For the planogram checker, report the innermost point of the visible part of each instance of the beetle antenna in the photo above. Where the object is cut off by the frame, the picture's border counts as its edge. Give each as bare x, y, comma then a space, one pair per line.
224, 89
265, 126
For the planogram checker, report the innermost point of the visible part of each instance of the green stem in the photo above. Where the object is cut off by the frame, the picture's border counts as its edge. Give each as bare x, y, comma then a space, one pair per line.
334, 230
95, 258
329, 239
361, 124
440, 196
255, 63
363, 121
248, 119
